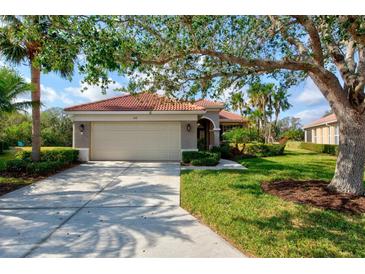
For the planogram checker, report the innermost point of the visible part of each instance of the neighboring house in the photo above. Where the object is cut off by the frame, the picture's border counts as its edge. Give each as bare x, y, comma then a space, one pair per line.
322, 131
147, 126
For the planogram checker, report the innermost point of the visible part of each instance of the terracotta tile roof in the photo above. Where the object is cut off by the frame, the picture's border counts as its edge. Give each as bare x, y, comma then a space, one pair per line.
327, 119
140, 102
208, 103
226, 115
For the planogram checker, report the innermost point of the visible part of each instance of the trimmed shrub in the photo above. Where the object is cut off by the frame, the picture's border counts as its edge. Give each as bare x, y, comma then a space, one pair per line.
187, 156
209, 161
19, 167
224, 150
199, 157
16, 166
320, 148
44, 168
68, 155
264, 150
240, 136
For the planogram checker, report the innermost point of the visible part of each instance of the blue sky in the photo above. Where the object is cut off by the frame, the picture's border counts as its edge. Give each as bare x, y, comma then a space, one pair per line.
307, 101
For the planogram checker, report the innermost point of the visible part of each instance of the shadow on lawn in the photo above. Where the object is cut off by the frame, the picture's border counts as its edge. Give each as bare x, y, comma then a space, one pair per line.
294, 170
311, 233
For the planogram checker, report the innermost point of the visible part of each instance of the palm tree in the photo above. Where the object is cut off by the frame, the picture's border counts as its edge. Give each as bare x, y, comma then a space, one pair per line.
238, 103
280, 101
260, 98
24, 39
12, 86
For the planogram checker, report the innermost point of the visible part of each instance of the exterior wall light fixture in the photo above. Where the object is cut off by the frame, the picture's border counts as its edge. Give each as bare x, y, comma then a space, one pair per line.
188, 127
82, 129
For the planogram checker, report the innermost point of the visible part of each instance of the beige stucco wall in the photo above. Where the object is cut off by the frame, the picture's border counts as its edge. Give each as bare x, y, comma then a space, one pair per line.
81, 140
333, 128
189, 138
213, 116
214, 135
325, 134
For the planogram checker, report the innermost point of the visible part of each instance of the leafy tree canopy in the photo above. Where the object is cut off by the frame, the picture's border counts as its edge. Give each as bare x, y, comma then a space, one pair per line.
184, 55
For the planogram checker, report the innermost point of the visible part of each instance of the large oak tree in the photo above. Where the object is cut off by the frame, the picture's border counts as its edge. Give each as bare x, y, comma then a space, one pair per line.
186, 55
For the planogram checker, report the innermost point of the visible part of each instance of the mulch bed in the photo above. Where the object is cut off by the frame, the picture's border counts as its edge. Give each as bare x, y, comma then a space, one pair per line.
315, 193
9, 187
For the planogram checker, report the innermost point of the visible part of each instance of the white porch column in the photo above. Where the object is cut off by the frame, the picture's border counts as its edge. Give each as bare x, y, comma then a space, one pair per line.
216, 137
305, 136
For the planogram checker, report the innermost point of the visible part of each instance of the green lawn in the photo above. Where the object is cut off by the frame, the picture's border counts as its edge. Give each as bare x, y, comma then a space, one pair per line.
233, 204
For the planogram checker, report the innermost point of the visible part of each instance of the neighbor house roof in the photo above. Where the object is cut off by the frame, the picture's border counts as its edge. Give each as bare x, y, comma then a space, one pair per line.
209, 104
140, 102
225, 115
322, 121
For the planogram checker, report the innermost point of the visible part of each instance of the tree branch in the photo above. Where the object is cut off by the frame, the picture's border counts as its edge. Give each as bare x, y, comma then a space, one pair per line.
349, 57
353, 29
361, 70
295, 42
315, 40
262, 65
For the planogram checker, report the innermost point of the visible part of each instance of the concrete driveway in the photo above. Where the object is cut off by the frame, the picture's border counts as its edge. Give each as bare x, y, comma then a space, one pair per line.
106, 209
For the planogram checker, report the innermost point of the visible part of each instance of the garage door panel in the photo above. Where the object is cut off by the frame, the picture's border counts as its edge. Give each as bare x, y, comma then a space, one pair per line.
135, 141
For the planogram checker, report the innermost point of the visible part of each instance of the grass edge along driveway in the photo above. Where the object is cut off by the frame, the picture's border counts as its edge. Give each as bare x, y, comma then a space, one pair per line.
261, 225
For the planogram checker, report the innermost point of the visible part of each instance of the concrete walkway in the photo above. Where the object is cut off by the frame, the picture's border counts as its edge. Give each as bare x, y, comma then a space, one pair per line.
222, 165
106, 209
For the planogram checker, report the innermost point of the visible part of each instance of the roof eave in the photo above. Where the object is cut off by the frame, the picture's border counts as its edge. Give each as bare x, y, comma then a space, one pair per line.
320, 124
102, 112
232, 120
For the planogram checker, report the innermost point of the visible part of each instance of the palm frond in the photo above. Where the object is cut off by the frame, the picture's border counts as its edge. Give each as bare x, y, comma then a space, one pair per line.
10, 48
11, 87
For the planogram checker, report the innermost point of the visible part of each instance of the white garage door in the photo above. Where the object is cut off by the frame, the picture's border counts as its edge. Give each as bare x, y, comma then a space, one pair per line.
135, 141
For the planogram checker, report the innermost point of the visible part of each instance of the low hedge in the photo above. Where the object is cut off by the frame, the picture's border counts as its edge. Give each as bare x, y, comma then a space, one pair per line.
264, 150
224, 150
201, 158
15, 166
68, 155
44, 168
321, 148
20, 167
209, 161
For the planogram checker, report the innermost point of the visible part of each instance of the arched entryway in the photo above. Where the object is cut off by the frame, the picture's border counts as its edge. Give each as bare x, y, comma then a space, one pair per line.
205, 134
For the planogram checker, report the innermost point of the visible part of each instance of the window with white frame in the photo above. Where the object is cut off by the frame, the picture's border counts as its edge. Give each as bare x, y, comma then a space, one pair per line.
337, 135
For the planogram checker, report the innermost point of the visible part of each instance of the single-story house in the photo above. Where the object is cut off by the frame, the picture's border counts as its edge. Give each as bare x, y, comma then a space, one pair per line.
322, 131
147, 126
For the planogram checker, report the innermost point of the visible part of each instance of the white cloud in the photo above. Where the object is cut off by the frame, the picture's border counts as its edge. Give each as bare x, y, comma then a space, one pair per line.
309, 115
49, 96
92, 93
310, 94
71, 95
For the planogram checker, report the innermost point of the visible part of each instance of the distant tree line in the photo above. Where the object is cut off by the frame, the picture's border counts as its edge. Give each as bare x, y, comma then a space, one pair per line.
56, 128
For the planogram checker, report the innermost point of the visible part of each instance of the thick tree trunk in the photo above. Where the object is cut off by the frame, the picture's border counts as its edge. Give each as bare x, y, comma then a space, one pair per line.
349, 172
36, 113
